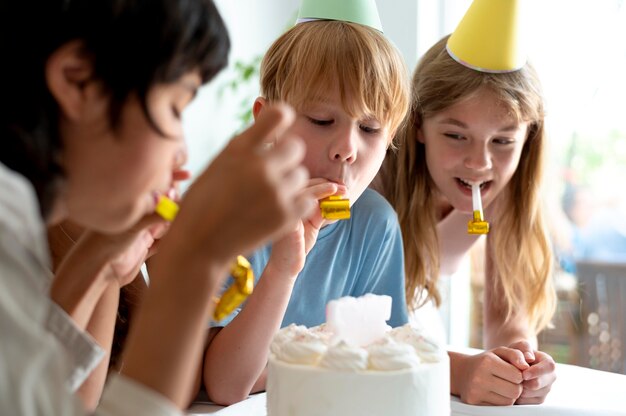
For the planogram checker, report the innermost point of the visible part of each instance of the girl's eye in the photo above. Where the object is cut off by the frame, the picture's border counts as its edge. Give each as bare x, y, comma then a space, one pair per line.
368, 129
176, 112
454, 136
319, 122
503, 140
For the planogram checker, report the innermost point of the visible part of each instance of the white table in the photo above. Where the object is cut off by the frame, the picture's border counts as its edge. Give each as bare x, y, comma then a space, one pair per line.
577, 391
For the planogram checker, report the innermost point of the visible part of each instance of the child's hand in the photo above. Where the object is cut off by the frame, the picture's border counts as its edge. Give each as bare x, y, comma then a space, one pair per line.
289, 253
320, 188
490, 378
123, 254
134, 247
116, 257
538, 378
248, 194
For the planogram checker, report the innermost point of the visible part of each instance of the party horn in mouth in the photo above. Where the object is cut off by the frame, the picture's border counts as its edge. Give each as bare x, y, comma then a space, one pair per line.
335, 208
477, 225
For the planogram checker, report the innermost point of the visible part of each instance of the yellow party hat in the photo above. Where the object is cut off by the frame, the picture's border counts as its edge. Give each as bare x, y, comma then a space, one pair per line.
363, 12
488, 39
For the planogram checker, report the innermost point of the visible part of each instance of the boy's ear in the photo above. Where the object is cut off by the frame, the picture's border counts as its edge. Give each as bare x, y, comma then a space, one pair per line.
258, 105
69, 75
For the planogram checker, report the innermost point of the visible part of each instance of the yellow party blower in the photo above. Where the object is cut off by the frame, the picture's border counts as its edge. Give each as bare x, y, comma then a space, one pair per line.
335, 208
241, 270
477, 225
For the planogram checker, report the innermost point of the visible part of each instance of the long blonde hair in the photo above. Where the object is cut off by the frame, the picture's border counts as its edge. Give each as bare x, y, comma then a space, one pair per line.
522, 255
312, 57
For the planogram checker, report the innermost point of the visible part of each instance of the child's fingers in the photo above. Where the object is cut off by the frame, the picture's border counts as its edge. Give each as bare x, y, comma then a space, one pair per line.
317, 181
495, 399
494, 391
323, 190
272, 123
508, 373
304, 205
543, 366
285, 156
159, 229
534, 396
153, 249
151, 221
526, 349
512, 356
294, 181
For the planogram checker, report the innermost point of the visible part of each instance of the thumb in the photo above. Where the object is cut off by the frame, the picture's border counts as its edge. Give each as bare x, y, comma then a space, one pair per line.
512, 356
526, 349
148, 221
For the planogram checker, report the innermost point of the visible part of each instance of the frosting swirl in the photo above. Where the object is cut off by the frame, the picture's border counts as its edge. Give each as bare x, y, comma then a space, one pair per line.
344, 357
302, 349
401, 348
285, 335
391, 356
426, 349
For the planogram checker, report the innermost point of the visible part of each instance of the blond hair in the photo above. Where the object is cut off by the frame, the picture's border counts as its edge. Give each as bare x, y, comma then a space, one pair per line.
521, 250
313, 57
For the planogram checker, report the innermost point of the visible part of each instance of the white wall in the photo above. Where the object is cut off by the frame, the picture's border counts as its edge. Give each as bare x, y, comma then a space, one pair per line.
210, 121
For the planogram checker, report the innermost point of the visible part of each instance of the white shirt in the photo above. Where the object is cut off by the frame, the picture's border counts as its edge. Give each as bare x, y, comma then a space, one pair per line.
43, 355
428, 320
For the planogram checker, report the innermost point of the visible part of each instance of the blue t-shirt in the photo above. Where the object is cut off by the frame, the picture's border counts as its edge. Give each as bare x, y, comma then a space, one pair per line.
350, 258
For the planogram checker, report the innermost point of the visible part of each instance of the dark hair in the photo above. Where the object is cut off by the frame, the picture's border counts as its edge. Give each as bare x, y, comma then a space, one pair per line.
134, 45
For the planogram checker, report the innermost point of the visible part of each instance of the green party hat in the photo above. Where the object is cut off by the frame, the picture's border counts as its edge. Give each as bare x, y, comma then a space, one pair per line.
363, 12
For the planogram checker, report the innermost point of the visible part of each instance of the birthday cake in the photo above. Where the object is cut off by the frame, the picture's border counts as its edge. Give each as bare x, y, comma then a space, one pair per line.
339, 369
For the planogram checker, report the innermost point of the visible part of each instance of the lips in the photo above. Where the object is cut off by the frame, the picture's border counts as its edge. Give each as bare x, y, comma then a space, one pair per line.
339, 177
464, 185
337, 181
468, 183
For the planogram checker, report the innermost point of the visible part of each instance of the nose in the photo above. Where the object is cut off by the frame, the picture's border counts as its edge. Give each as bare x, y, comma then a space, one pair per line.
478, 157
343, 147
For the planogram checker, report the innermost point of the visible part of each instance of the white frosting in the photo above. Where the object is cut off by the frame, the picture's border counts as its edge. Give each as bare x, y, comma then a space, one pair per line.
344, 357
305, 349
427, 350
391, 356
285, 335
322, 332
400, 348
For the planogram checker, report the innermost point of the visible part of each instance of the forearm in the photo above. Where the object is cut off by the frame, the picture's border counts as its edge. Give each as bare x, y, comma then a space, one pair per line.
454, 241
504, 324
499, 331
237, 356
81, 280
164, 348
261, 382
101, 328
499, 334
